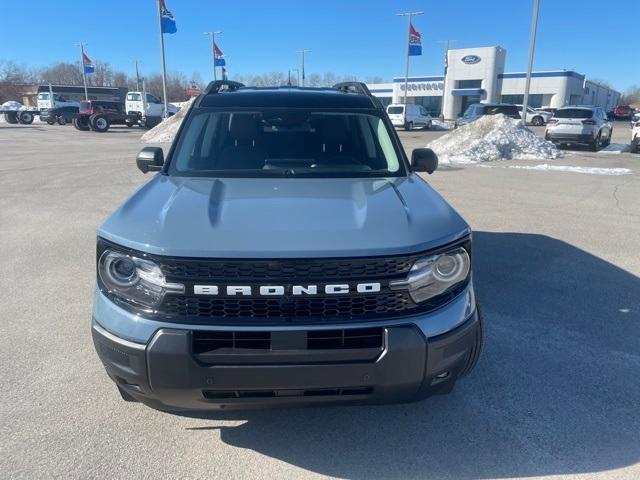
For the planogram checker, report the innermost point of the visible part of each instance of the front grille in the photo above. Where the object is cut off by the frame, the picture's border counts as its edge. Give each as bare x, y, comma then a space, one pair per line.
319, 392
385, 303
282, 270
205, 341
344, 339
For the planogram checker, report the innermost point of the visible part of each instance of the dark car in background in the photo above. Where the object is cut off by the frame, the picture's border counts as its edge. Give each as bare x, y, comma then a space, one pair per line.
99, 115
59, 115
477, 110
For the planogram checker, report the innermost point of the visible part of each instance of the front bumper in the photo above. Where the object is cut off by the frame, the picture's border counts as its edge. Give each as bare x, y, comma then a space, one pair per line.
166, 375
418, 357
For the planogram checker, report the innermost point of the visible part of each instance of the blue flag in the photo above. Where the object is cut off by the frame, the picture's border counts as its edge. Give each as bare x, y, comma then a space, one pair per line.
167, 20
415, 41
218, 56
87, 64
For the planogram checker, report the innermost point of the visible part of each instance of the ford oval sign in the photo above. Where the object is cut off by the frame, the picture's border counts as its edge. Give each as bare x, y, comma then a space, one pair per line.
471, 59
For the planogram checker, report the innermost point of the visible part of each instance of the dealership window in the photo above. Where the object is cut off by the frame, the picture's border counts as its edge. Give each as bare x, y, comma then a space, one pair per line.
469, 84
433, 104
535, 99
385, 100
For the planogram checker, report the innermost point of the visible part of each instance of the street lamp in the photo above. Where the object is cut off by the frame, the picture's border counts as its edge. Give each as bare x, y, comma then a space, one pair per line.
302, 52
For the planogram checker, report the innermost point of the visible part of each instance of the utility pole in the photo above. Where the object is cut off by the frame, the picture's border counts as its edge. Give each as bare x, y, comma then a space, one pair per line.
137, 76
532, 48
302, 52
212, 39
84, 74
164, 65
409, 15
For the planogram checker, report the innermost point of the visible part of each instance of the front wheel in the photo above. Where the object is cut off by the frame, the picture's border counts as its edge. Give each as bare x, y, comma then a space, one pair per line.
99, 123
537, 121
408, 126
429, 125
62, 120
607, 142
595, 144
81, 123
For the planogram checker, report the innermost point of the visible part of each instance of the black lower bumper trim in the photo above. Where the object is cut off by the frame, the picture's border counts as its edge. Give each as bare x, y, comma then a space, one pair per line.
165, 374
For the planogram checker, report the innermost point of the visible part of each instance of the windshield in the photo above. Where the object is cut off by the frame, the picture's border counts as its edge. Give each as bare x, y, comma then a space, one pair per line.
395, 110
285, 143
574, 113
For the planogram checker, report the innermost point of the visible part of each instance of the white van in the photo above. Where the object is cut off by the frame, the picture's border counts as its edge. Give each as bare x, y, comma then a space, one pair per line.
154, 106
415, 116
44, 101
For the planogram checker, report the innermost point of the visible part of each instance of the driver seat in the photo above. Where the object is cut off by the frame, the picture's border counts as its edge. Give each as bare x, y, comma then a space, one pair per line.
243, 151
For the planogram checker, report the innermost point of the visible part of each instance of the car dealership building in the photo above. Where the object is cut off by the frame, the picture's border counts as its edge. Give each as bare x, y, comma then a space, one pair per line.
477, 75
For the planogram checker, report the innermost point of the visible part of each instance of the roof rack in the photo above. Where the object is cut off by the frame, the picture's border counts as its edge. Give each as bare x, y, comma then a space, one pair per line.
217, 86
359, 88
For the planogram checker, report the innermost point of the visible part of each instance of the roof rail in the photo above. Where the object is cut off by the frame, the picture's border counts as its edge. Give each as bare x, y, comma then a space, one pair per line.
217, 86
359, 88
353, 87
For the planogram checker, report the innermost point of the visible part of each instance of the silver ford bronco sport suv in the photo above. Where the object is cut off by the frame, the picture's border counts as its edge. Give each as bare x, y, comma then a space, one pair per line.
286, 253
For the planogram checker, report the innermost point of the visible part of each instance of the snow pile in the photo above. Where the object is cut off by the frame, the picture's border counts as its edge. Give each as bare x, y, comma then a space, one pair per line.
492, 137
616, 148
166, 131
545, 167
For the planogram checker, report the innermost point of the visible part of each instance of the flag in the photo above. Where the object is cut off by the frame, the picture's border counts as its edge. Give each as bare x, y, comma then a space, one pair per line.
167, 20
87, 64
225, 74
218, 56
415, 41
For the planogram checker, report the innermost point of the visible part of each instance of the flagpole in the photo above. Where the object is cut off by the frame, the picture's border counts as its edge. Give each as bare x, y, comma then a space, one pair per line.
84, 74
532, 48
303, 51
137, 76
164, 66
406, 68
212, 39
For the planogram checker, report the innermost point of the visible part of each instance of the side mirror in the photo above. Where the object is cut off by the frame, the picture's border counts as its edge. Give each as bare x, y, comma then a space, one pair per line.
150, 159
424, 160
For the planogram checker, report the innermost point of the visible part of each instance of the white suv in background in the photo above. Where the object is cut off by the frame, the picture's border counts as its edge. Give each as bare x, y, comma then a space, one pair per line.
536, 117
580, 126
414, 116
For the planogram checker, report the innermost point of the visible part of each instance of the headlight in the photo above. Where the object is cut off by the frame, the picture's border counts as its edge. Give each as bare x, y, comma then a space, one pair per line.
434, 275
135, 280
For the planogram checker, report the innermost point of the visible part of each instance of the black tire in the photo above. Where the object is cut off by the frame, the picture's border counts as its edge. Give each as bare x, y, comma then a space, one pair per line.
408, 126
478, 346
99, 123
11, 117
428, 125
593, 146
82, 124
537, 121
128, 124
51, 122
25, 118
62, 120
607, 142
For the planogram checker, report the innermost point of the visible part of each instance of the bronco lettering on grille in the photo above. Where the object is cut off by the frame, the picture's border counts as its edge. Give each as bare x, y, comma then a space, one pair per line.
279, 290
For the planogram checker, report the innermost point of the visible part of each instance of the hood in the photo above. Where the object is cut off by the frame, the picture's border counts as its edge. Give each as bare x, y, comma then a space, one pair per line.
283, 218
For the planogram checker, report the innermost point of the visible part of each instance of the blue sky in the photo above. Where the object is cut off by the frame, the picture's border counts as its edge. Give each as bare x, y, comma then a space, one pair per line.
364, 38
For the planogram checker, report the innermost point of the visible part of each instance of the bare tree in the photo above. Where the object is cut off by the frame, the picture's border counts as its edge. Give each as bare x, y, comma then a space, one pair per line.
631, 95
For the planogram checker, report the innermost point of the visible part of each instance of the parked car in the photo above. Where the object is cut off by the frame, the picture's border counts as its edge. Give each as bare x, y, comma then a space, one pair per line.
623, 112
580, 126
99, 115
550, 110
410, 117
535, 117
477, 110
59, 115
285, 255
149, 113
635, 135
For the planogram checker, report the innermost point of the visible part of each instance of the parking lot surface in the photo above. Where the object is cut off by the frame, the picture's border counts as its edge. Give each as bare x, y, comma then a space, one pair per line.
555, 394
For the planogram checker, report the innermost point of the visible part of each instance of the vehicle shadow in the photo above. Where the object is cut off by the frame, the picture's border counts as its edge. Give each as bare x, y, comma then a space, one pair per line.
556, 390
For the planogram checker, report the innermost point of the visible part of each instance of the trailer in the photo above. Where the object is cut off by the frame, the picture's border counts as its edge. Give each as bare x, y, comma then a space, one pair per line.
24, 117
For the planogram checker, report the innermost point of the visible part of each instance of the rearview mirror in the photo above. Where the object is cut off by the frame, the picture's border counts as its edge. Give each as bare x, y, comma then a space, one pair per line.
424, 160
150, 159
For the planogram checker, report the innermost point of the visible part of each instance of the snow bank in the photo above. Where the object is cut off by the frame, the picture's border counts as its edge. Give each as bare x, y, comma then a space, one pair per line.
492, 137
616, 148
11, 105
564, 168
166, 131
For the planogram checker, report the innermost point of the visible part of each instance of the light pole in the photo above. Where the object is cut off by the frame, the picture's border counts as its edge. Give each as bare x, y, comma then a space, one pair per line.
137, 76
409, 15
297, 70
212, 39
302, 52
532, 48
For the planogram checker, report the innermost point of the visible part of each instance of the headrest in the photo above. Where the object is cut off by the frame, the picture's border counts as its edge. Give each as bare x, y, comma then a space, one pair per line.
243, 126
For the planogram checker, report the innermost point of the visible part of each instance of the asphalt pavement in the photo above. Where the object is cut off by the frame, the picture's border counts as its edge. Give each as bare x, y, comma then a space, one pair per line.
555, 394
